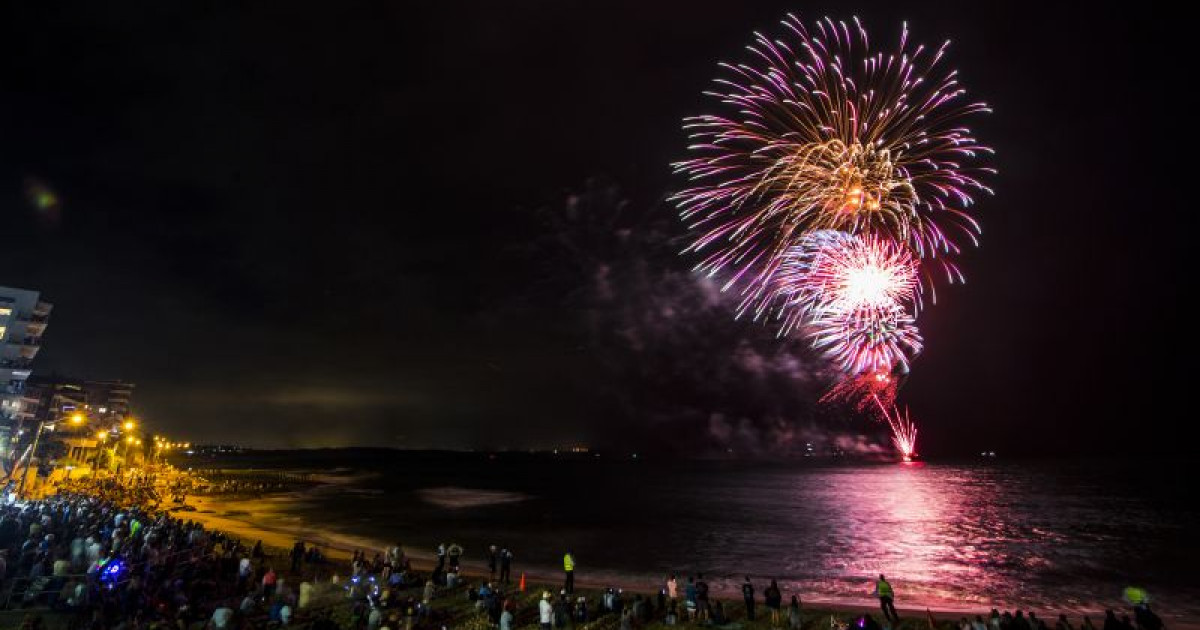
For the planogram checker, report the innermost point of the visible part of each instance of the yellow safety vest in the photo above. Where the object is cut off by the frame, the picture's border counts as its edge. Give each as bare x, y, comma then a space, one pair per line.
883, 588
568, 563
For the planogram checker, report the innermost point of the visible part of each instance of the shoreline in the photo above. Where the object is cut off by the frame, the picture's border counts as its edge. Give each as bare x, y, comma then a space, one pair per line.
247, 518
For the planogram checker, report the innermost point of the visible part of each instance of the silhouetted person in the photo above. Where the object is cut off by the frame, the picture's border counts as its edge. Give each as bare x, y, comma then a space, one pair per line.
748, 595
886, 595
1146, 619
506, 557
773, 600
297, 556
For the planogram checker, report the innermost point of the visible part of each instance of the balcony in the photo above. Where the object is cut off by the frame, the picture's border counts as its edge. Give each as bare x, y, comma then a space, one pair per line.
42, 309
33, 327
16, 363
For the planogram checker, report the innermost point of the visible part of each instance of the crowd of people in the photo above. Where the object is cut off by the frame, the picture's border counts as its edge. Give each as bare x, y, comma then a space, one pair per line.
104, 565
1146, 619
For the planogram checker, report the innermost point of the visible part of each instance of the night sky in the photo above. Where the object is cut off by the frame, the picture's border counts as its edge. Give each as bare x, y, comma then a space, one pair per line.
314, 224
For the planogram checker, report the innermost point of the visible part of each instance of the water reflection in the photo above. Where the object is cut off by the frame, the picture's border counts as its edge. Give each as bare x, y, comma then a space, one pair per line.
1062, 537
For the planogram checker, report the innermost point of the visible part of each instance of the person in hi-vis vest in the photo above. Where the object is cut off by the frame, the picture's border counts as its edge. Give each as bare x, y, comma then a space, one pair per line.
884, 591
569, 569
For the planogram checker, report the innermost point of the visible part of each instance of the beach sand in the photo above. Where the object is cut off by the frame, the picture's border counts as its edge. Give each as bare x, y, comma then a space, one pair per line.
265, 518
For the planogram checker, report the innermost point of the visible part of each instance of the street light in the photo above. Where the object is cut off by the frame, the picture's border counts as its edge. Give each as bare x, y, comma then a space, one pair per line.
129, 424
77, 419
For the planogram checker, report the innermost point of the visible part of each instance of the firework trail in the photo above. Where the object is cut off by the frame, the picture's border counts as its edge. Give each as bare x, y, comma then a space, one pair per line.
904, 432
821, 133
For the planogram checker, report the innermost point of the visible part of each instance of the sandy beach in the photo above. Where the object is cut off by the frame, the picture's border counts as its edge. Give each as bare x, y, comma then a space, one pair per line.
267, 518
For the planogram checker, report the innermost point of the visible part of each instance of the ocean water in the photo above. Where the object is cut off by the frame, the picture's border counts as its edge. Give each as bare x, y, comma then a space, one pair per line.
1052, 536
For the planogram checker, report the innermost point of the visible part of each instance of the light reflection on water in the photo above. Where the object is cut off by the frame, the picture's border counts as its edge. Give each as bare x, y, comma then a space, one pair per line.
1061, 536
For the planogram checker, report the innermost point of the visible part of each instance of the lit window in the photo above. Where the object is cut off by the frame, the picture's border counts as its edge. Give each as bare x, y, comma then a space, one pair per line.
5, 311
2, 329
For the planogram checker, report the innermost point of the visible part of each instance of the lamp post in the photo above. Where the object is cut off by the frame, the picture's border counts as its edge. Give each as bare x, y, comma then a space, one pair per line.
32, 453
101, 436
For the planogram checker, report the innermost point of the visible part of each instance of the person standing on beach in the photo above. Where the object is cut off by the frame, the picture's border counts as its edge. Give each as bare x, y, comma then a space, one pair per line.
794, 614
243, 574
545, 611
689, 594
883, 590
441, 558
672, 588
297, 556
268, 583
506, 557
702, 608
748, 596
455, 552
569, 570
773, 599
492, 559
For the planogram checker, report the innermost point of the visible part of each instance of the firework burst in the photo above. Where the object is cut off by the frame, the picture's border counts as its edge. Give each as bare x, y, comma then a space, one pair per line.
821, 133
850, 295
836, 273
866, 341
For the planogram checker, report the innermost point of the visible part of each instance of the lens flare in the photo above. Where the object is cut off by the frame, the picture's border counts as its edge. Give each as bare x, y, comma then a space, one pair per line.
819, 132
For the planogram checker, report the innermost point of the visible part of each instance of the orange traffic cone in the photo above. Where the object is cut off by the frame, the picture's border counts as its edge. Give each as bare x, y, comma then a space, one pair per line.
522, 586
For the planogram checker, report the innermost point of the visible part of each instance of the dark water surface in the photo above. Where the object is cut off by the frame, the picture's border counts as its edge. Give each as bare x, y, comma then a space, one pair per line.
1047, 535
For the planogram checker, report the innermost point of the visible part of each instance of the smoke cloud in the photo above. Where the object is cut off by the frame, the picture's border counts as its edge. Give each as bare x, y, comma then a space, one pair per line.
675, 368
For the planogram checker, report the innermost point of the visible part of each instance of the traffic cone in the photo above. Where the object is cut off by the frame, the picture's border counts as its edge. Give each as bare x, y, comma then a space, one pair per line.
522, 586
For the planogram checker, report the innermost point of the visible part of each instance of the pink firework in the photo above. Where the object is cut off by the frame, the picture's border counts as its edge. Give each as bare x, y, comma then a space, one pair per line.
904, 432
819, 132
834, 273
861, 391
851, 296
866, 341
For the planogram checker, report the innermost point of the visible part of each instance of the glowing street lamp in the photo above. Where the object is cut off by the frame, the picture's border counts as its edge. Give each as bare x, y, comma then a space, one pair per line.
77, 419
129, 424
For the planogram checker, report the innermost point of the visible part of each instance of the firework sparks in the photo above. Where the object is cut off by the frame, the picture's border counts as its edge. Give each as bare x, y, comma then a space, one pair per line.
861, 390
904, 432
867, 341
850, 296
821, 133
831, 272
